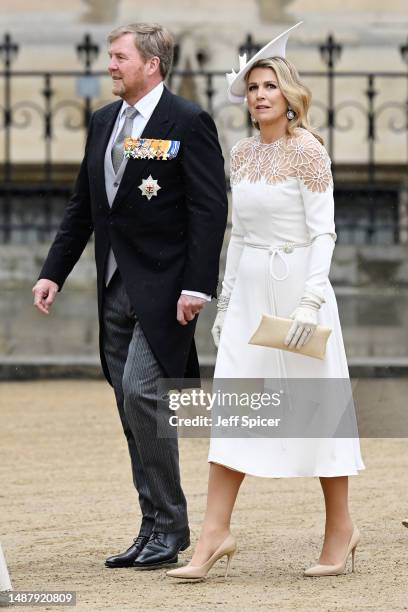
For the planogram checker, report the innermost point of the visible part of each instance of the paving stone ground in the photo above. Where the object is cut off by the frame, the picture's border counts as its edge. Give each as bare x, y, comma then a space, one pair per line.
67, 502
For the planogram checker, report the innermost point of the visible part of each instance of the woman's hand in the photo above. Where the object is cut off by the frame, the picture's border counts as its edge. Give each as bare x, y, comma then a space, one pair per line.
217, 327
303, 327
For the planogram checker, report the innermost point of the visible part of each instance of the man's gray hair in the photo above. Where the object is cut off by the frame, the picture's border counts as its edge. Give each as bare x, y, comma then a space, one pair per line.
151, 40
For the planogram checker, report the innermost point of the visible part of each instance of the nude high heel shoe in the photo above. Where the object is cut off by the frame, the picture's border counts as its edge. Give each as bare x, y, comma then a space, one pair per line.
335, 570
199, 572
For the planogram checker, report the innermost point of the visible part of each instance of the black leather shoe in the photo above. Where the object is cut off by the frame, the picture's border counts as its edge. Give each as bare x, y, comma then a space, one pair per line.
127, 558
162, 549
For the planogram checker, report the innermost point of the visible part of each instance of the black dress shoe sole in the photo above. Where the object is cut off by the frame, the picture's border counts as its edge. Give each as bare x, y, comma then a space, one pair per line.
119, 566
154, 566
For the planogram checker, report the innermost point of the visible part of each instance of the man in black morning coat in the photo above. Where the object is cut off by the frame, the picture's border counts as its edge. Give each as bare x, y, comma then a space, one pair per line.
159, 224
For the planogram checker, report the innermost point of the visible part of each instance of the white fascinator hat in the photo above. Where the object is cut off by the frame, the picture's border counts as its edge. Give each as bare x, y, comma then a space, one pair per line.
236, 80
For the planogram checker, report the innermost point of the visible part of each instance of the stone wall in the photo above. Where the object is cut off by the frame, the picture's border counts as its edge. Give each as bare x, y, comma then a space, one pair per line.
352, 266
371, 288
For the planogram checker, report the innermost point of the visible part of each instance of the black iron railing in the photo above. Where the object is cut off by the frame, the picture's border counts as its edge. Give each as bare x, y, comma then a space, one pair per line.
371, 194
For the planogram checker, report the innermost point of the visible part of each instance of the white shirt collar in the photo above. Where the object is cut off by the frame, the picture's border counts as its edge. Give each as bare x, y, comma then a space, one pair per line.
146, 105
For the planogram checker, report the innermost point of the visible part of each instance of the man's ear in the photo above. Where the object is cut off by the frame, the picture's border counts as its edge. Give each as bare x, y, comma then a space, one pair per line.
153, 65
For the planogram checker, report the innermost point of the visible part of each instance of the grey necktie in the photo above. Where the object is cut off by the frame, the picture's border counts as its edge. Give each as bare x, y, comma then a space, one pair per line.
125, 132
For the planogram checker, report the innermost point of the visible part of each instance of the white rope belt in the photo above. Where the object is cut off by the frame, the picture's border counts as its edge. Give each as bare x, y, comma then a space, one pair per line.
273, 252
276, 251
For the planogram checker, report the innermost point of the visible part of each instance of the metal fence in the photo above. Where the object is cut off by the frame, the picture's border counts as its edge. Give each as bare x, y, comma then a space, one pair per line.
371, 196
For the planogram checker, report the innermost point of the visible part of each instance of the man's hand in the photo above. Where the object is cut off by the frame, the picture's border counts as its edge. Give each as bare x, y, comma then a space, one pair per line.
44, 294
187, 308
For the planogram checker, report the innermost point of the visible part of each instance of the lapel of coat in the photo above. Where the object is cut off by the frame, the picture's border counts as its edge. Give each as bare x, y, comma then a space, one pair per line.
102, 133
158, 126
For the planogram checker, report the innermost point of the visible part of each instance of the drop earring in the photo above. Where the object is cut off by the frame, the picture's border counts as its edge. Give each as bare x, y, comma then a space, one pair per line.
290, 113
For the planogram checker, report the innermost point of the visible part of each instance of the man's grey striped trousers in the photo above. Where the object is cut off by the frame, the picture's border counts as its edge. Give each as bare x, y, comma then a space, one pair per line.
134, 372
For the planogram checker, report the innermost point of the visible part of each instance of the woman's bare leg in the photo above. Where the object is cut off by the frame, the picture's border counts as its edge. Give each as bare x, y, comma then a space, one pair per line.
223, 487
339, 525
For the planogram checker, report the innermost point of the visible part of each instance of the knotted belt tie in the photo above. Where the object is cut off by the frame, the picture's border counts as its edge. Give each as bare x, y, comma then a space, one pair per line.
276, 251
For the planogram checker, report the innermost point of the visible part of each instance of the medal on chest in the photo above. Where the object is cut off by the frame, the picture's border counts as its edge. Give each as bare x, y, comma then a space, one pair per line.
151, 148
149, 187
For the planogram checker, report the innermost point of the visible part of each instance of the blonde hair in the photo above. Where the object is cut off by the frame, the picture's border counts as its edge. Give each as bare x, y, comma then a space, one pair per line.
151, 40
296, 93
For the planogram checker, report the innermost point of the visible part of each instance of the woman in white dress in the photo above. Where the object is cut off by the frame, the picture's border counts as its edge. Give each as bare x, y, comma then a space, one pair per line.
278, 259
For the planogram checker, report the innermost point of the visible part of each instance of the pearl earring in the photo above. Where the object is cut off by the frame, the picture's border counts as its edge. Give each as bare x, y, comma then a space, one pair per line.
290, 113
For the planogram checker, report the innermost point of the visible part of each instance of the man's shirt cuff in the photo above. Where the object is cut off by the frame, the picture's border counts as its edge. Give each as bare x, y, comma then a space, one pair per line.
204, 296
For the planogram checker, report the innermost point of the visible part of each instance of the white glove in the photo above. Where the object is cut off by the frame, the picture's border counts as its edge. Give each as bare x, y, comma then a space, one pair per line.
222, 306
217, 327
303, 327
304, 321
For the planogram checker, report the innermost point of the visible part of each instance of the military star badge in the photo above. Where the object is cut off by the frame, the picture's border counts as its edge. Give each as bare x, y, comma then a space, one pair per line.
149, 187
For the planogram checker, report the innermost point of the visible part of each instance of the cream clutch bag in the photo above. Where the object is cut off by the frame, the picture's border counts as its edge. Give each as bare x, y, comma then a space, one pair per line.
272, 332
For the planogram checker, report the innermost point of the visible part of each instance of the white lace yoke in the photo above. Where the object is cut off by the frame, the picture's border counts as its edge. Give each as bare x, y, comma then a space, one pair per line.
299, 156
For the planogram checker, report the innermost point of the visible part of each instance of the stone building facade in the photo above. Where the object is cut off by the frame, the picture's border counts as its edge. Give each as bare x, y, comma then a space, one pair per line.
209, 33
370, 31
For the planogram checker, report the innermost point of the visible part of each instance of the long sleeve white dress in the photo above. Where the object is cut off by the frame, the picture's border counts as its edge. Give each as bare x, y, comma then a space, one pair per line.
281, 245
